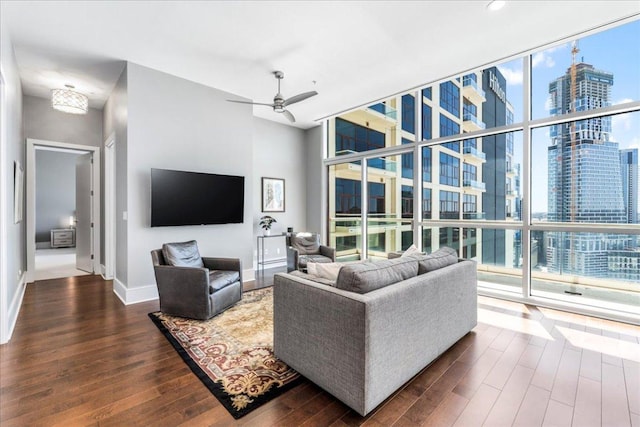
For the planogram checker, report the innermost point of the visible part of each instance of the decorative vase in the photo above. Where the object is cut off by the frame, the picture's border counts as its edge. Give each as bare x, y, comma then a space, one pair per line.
267, 232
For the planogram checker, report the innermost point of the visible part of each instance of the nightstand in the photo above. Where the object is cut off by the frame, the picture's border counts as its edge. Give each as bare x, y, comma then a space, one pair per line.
63, 237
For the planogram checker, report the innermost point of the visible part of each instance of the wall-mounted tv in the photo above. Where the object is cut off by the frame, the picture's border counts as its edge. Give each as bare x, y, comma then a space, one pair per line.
193, 198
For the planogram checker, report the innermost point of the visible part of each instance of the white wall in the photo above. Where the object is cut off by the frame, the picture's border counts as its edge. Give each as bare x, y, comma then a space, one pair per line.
314, 150
178, 124
12, 148
115, 119
41, 121
279, 152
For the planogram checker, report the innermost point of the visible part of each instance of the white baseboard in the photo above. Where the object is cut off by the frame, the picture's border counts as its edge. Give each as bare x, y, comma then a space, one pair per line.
43, 245
248, 275
271, 263
103, 272
14, 307
134, 295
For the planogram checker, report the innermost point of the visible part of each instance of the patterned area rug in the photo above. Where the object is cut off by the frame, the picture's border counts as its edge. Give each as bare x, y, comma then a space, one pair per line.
232, 353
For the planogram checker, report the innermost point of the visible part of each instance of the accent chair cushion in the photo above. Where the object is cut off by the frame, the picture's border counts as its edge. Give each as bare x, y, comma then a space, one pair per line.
441, 258
305, 243
368, 276
182, 254
219, 279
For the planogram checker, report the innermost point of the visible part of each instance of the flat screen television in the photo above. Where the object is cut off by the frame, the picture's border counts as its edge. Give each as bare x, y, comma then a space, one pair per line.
194, 198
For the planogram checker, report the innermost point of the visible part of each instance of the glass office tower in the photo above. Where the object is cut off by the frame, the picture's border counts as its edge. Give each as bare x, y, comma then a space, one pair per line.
629, 174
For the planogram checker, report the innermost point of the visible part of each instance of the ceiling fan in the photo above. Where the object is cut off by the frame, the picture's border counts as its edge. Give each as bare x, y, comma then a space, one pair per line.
279, 103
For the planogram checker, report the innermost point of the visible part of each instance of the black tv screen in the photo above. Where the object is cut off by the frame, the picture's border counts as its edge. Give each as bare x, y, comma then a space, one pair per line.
193, 198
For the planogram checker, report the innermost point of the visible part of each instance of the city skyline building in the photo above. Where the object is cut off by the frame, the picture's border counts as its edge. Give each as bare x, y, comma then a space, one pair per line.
585, 181
630, 189
456, 182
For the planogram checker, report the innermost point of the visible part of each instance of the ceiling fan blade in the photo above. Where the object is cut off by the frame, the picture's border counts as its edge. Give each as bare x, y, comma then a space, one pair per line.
300, 97
289, 116
249, 102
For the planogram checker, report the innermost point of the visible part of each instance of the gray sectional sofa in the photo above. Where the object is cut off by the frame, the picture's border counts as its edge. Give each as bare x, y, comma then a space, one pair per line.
364, 336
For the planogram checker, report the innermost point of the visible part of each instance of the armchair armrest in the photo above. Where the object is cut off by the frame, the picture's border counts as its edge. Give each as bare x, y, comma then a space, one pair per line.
292, 259
328, 252
229, 264
214, 263
183, 290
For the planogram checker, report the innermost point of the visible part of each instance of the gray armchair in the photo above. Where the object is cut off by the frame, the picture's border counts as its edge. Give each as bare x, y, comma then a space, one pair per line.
195, 287
305, 247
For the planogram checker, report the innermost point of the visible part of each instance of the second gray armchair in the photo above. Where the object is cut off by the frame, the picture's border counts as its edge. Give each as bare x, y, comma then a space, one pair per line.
305, 247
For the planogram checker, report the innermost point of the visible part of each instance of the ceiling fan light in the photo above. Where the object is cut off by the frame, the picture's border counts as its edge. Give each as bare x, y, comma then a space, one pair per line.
69, 101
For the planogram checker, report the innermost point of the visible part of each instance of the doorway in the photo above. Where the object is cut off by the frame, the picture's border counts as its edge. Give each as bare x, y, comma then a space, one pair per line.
63, 209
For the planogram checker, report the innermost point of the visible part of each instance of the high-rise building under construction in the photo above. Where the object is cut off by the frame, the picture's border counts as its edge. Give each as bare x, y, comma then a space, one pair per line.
585, 182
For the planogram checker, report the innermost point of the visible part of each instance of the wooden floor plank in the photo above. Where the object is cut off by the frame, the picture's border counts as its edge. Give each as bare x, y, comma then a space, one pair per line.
469, 384
547, 368
566, 381
478, 407
587, 410
533, 407
504, 367
615, 406
558, 415
505, 409
591, 365
632, 382
531, 356
448, 411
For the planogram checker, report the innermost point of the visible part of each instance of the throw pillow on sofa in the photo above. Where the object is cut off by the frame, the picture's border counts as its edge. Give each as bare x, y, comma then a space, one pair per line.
411, 250
441, 258
325, 270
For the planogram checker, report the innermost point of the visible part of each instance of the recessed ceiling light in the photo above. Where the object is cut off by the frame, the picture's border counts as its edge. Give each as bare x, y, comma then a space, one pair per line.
496, 4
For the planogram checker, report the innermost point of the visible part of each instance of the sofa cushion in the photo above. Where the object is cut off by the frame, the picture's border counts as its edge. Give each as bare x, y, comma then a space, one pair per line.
441, 258
368, 276
219, 279
182, 254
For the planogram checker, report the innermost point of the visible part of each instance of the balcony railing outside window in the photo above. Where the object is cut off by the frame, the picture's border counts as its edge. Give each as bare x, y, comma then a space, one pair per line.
470, 117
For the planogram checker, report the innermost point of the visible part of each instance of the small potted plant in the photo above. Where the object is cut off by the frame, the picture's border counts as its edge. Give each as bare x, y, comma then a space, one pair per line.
266, 222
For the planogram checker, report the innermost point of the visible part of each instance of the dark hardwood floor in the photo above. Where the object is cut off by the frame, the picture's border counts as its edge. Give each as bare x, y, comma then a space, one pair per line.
78, 356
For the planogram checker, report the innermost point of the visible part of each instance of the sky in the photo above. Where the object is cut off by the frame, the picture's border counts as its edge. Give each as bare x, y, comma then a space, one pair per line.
617, 51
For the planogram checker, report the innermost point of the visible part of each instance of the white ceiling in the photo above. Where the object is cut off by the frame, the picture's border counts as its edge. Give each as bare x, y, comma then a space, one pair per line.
351, 52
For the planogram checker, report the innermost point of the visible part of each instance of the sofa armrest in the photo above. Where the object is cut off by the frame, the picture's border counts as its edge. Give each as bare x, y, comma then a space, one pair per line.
292, 259
328, 252
320, 332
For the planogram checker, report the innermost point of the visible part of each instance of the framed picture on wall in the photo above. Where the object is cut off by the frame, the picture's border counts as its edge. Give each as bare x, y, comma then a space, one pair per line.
18, 192
272, 195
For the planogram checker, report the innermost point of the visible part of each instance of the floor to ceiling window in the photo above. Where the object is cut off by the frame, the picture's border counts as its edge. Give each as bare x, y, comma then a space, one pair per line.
529, 167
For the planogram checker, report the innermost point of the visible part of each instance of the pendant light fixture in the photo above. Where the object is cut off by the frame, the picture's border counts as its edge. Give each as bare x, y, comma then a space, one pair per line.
69, 101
